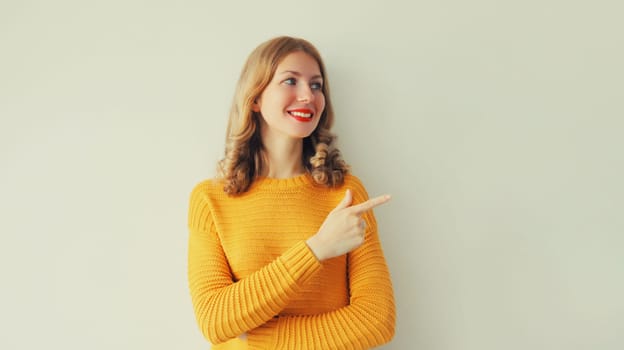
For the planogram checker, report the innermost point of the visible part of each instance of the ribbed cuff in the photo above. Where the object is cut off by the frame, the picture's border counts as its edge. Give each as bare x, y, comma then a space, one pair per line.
300, 262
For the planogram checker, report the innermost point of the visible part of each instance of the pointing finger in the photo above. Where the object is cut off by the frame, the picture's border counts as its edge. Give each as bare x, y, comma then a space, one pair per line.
370, 204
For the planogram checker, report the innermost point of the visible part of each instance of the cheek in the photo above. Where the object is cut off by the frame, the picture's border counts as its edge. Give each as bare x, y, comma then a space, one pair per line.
270, 102
320, 103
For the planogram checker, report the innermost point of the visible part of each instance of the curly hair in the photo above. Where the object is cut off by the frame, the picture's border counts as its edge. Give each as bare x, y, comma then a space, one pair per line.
243, 159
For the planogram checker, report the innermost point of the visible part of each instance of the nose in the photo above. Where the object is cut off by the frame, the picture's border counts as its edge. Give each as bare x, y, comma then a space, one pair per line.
305, 94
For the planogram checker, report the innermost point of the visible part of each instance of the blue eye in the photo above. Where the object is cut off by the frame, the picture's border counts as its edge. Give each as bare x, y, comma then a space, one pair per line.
317, 86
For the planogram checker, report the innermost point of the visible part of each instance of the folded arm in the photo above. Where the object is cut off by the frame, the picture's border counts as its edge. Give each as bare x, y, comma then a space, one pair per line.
368, 320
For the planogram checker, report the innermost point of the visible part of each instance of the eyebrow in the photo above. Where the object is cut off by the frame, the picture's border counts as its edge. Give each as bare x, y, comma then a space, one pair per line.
299, 74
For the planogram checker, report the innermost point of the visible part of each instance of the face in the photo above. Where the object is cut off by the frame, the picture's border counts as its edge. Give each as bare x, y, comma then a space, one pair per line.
292, 104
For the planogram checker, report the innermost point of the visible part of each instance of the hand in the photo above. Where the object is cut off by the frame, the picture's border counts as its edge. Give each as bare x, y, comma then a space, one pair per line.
343, 229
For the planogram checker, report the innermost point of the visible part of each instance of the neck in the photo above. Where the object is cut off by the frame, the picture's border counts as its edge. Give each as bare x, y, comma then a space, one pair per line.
282, 157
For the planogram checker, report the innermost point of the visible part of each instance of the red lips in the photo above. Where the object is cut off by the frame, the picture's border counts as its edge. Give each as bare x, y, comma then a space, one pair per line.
301, 114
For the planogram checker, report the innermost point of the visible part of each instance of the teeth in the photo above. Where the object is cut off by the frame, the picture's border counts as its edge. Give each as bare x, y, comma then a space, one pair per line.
301, 114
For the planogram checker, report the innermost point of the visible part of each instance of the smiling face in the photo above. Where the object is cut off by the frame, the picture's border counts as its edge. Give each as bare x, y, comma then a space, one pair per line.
292, 103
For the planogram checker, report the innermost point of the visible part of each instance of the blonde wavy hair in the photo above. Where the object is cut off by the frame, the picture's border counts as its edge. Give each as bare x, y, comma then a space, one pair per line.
243, 159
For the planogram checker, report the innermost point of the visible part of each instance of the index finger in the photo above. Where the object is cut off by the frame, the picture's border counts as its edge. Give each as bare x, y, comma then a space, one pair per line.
370, 204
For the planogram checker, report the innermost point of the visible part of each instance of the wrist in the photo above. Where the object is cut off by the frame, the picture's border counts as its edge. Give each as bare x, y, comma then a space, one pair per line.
314, 247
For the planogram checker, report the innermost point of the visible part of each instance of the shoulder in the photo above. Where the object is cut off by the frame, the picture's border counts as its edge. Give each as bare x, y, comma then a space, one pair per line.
205, 189
201, 203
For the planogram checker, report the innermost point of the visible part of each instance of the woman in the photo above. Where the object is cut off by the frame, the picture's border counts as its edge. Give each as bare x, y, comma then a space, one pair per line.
283, 246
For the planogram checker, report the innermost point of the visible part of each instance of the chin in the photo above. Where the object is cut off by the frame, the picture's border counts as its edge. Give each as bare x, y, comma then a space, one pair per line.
302, 134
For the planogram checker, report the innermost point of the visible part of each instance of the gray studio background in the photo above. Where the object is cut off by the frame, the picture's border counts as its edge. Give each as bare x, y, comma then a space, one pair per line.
496, 125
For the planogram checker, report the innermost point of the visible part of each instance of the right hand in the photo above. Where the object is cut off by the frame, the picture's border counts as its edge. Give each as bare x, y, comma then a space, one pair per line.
343, 229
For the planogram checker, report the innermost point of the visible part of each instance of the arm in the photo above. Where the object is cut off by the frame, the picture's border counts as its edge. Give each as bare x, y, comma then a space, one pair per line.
225, 309
366, 322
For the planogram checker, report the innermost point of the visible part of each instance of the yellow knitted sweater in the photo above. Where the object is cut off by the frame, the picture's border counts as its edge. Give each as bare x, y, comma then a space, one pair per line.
251, 273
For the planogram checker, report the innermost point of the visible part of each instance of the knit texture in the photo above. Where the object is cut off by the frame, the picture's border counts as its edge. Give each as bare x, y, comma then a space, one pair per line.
250, 270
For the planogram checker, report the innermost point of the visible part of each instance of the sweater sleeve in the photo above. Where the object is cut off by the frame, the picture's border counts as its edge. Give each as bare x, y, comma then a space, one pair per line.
367, 321
225, 309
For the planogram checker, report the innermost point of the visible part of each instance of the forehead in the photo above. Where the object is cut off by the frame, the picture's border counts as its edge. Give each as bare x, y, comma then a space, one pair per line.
300, 62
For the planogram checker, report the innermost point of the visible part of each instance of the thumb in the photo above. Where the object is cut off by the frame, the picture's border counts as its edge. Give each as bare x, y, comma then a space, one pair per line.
346, 201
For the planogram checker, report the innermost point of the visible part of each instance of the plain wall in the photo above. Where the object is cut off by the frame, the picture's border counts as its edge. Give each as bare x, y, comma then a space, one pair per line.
496, 125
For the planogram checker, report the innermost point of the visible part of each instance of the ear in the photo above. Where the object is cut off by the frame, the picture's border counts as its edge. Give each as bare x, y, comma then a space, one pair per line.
255, 106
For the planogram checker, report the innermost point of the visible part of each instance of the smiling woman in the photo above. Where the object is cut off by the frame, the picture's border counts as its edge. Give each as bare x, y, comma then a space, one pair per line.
296, 88
284, 251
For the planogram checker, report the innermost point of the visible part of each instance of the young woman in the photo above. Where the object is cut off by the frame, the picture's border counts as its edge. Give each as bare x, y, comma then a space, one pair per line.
283, 245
